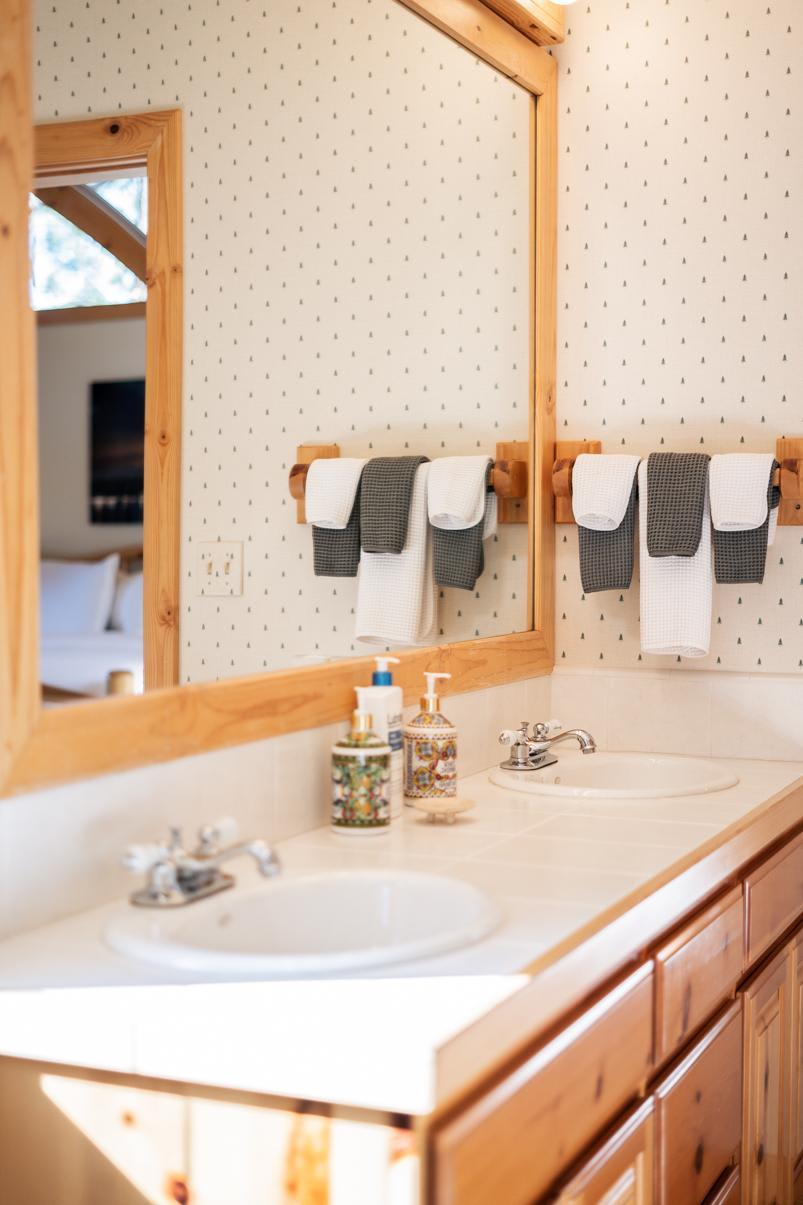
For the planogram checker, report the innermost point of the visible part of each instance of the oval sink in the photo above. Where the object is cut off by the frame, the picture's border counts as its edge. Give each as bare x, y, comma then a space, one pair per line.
321, 924
620, 776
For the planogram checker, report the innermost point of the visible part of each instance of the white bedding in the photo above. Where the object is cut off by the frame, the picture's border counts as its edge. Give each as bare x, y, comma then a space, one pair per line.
82, 663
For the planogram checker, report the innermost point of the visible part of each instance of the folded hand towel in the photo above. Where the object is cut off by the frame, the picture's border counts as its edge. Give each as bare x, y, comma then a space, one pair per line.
740, 555
456, 491
387, 488
331, 505
606, 557
396, 600
678, 493
602, 488
459, 556
738, 489
675, 591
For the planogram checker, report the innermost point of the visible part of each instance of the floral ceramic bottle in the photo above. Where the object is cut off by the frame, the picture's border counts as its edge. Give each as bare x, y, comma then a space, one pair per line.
430, 748
361, 777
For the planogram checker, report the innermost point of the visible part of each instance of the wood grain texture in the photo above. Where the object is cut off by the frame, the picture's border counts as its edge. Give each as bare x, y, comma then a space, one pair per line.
773, 898
89, 212
796, 1060
513, 507
696, 970
766, 1165
539, 20
91, 313
730, 1192
620, 1171
566, 452
513, 1142
789, 454
19, 529
699, 1114
305, 454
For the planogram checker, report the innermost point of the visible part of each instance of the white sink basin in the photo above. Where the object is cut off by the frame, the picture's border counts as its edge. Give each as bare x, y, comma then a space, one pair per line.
321, 924
619, 776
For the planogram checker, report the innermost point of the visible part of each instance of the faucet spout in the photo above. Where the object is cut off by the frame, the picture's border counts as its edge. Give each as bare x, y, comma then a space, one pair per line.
584, 739
267, 861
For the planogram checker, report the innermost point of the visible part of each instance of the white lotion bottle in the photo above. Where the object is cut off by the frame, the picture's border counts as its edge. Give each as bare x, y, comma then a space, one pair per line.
386, 704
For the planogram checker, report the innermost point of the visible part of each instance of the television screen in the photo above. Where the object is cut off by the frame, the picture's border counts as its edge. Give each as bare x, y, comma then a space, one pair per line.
117, 451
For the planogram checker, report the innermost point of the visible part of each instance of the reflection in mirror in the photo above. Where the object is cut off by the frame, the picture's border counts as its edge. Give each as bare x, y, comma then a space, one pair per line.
358, 251
88, 244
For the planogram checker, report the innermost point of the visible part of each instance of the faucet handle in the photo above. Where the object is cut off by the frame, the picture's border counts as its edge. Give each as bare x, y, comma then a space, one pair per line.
144, 857
211, 837
543, 730
508, 736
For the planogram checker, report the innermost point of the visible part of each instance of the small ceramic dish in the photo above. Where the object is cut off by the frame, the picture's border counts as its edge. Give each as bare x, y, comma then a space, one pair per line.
443, 809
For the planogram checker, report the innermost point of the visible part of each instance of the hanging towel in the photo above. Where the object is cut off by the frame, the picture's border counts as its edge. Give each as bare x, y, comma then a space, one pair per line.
676, 590
606, 557
331, 505
458, 491
678, 493
396, 598
387, 488
740, 555
602, 490
738, 488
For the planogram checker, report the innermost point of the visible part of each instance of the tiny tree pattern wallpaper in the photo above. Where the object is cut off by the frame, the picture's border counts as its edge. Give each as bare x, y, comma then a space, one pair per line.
680, 311
356, 268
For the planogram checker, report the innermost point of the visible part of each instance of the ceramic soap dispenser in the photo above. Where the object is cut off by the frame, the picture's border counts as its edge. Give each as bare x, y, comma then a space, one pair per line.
361, 776
430, 749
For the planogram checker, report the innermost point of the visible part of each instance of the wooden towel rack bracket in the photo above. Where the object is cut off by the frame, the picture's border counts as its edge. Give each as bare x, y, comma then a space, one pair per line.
509, 477
788, 453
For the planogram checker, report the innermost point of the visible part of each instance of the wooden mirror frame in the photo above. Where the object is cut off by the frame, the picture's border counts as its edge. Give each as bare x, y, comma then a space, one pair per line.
40, 747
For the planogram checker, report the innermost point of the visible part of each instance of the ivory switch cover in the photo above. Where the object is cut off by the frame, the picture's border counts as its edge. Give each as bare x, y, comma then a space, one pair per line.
220, 567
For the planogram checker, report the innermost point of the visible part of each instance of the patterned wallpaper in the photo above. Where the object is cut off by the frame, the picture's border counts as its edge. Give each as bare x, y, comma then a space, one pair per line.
681, 283
356, 272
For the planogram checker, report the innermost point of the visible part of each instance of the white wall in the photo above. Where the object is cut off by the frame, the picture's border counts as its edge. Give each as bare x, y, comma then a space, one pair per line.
681, 279
70, 356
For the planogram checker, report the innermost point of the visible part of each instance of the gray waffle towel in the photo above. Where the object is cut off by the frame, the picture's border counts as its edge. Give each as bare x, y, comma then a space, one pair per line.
740, 557
606, 557
459, 553
336, 551
677, 483
385, 493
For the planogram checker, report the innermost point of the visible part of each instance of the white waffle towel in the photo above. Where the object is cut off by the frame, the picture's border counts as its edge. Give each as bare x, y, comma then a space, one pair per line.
330, 491
675, 591
738, 484
396, 599
456, 491
601, 489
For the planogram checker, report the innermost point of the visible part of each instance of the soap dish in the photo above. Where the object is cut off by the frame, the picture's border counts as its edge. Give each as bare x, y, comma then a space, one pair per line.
444, 808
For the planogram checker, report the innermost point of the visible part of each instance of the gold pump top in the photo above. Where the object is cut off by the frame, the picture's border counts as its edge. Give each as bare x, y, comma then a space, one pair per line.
361, 721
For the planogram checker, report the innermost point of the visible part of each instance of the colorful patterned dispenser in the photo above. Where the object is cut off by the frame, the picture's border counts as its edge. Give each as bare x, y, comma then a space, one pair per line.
361, 777
430, 749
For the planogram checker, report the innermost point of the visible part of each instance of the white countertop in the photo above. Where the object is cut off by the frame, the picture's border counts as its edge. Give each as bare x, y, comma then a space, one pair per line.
552, 864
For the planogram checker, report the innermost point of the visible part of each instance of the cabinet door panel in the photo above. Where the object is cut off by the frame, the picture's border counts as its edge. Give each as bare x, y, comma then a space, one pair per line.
699, 1114
773, 898
766, 1166
620, 1172
797, 1049
729, 1193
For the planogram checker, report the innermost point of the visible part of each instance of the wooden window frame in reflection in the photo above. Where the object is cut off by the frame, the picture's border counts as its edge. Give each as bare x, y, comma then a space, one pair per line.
39, 747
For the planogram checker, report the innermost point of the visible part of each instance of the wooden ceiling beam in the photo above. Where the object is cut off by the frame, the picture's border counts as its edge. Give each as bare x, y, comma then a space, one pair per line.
87, 210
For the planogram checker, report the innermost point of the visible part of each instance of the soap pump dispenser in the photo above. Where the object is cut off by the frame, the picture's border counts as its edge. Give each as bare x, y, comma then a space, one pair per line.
361, 776
430, 746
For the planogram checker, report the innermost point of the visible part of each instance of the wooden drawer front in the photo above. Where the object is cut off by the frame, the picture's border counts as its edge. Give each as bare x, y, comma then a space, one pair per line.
697, 970
766, 1167
620, 1172
729, 1193
513, 1142
773, 898
699, 1114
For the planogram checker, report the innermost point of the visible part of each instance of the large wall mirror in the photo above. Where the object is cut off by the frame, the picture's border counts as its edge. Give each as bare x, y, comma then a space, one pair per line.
254, 242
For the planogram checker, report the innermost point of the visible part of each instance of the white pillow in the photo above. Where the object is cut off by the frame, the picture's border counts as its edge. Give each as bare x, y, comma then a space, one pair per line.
75, 597
127, 608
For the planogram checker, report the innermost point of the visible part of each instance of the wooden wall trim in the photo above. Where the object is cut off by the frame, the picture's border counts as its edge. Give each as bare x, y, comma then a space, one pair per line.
91, 313
540, 20
100, 737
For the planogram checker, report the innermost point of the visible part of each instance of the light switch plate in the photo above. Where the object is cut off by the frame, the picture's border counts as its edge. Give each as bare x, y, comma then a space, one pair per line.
220, 567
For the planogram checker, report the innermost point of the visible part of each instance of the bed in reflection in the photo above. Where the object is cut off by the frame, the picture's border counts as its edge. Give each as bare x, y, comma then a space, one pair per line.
91, 626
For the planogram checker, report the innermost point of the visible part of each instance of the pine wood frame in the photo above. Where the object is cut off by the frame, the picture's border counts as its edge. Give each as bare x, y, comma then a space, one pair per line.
39, 747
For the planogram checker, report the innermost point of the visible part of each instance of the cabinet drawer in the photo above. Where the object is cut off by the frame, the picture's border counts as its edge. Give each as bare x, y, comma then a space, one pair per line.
773, 897
699, 1114
620, 1171
513, 1142
697, 970
729, 1193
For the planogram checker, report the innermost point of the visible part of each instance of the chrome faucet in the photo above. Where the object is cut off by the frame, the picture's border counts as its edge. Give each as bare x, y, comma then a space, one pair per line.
532, 752
176, 877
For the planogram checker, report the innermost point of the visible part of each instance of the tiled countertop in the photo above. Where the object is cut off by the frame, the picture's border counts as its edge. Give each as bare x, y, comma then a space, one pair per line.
554, 866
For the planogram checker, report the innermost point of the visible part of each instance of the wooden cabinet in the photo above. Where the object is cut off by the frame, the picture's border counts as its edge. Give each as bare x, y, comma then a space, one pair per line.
696, 971
766, 1165
796, 1062
698, 1108
729, 1193
620, 1172
773, 898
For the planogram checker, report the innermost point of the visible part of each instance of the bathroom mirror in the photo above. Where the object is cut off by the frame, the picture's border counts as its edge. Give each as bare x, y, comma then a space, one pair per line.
366, 268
